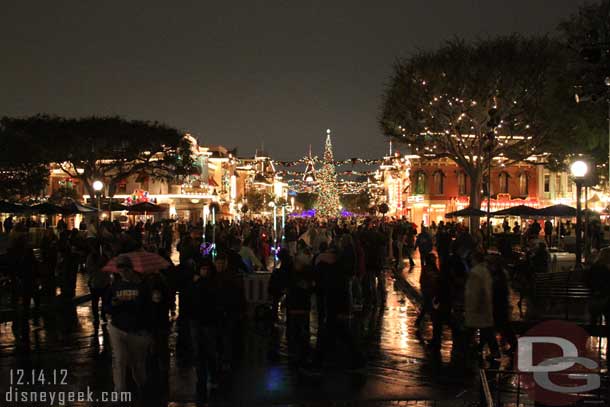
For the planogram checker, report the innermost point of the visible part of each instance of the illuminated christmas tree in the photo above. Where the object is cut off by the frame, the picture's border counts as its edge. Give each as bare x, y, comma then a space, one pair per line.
328, 205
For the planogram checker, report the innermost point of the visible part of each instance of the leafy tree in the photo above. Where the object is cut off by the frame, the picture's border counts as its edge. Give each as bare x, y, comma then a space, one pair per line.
108, 148
22, 173
466, 101
63, 195
306, 199
356, 203
257, 200
586, 37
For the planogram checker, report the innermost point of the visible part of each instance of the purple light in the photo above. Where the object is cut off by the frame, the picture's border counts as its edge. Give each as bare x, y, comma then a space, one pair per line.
206, 248
310, 213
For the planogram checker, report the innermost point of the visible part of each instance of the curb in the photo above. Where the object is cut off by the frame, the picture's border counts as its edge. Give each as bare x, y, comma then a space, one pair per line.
407, 288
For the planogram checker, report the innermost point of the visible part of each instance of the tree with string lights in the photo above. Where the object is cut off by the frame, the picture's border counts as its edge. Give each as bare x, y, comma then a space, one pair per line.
328, 204
498, 99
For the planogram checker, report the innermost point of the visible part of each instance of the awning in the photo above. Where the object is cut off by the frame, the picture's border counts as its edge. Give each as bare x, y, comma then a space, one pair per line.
519, 210
466, 212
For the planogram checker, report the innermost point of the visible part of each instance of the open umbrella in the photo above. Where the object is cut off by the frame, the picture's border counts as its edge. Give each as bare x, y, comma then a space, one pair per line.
142, 261
519, 210
113, 206
560, 211
9, 207
74, 207
144, 207
46, 208
466, 212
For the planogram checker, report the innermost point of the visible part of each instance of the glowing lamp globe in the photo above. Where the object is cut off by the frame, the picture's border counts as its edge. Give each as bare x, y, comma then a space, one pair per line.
579, 169
98, 186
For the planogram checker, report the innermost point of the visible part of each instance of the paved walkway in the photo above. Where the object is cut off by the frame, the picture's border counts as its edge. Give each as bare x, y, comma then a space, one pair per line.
411, 277
398, 364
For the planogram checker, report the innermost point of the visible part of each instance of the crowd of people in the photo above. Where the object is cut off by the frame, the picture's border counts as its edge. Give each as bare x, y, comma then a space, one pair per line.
334, 271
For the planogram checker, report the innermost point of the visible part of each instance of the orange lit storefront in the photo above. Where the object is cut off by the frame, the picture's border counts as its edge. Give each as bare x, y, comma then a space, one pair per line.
440, 186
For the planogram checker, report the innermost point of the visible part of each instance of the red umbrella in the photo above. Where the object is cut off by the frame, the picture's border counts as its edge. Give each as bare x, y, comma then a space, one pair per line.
142, 261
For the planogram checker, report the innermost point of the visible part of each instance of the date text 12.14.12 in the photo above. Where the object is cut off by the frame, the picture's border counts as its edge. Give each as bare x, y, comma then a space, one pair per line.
33, 377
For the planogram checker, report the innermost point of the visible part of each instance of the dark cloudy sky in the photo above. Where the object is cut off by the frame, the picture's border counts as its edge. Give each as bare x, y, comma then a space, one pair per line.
237, 73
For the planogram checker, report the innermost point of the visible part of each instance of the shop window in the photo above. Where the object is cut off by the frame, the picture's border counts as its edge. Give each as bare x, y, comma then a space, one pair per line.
503, 183
438, 178
523, 184
462, 183
547, 183
420, 183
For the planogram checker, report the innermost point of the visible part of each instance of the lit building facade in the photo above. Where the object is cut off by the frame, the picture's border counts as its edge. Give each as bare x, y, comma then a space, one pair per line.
219, 176
433, 188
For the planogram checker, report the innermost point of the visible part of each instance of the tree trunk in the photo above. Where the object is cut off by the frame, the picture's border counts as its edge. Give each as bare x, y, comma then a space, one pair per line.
112, 187
89, 188
475, 198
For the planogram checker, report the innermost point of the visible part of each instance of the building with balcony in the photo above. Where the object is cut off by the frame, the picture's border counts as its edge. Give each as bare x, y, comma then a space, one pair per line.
218, 176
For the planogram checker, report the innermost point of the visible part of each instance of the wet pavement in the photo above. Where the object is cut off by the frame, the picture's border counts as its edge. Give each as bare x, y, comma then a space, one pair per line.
411, 275
399, 367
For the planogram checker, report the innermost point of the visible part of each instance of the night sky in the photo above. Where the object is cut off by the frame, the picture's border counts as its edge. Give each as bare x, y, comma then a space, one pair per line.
237, 73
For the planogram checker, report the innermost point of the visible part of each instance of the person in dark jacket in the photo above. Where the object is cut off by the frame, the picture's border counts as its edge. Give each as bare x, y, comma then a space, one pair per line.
232, 309
429, 283
205, 317
68, 266
130, 308
501, 305
98, 282
22, 266
8, 225
374, 283
336, 273
277, 289
548, 232
424, 244
162, 296
443, 242
48, 250
299, 285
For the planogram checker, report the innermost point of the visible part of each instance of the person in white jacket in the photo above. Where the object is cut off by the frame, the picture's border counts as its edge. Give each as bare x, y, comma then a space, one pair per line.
478, 305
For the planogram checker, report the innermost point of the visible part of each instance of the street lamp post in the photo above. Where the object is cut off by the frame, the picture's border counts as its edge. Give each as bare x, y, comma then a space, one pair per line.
493, 122
283, 223
213, 231
579, 171
97, 187
607, 81
272, 205
204, 220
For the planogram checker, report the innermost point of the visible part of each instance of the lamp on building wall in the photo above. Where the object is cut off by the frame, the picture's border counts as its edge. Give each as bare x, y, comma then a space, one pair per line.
579, 170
